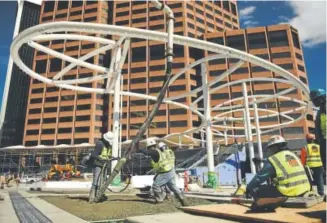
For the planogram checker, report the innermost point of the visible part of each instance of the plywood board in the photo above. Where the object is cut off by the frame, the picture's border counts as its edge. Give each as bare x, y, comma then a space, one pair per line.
242, 212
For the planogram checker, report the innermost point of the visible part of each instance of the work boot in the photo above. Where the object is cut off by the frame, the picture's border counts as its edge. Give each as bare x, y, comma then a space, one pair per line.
183, 202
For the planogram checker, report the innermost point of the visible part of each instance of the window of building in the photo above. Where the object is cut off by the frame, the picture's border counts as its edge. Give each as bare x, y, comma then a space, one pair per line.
219, 96
189, 6
281, 55
210, 25
121, 23
301, 68
228, 25
267, 105
83, 107
30, 143
157, 52
32, 132
296, 41
154, 18
266, 91
156, 27
139, 54
200, 20
138, 102
190, 25
80, 141
278, 38
217, 61
178, 14
298, 56
90, 19
66, 108
190, 16
236, 94
139, 20
75, 13
47, 18
77, 4
36, 100
50, 109
177, 24
233, 8
41, 66
67, 97
33, 121
293, 130
82, 129
179, 111
52, 89
55, 65
215, 73
122, 5
64, 141
49, 6
84, 96
158, 125
72, 48
288, 104
287, 66
66, 119
48, 131
154, 90
304, 80
178, 124
226, 5
35, 111
118, 14
51, 99
138, 80
138, 114
242, 70
236, 42
64, 15
138, 69
85, 75
91, 10
177, 88
49, 120
257, 40
259, 69
83, 118
181, 100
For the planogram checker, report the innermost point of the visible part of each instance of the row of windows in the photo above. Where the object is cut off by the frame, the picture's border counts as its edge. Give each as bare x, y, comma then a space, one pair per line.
49, 6
59, 141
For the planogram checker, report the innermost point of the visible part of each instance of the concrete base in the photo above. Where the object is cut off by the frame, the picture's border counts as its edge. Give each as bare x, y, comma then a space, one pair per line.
178, 217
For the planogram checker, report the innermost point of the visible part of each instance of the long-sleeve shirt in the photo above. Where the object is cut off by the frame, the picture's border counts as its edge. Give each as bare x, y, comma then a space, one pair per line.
154, 154
267, 171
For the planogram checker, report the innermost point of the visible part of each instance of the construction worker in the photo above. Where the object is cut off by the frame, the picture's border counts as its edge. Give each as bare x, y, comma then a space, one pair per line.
318, 98
163, 162
313, 161
99, 156
285, 170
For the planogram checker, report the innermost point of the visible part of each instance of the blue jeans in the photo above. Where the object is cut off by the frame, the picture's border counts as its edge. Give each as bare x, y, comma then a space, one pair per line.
318, 179
167, 179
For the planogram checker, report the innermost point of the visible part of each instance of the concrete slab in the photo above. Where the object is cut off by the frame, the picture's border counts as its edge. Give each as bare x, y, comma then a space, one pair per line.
178, 217
54, 213
7, 211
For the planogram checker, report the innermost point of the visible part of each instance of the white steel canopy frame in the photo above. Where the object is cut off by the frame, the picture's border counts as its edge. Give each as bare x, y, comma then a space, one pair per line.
219, 123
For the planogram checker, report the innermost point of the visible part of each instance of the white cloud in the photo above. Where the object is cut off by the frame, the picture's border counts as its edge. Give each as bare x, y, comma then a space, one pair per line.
310, 21
283, 18
247, 12
250, 23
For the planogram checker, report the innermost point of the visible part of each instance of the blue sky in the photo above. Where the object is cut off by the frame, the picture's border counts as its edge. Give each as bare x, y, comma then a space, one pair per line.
308, 17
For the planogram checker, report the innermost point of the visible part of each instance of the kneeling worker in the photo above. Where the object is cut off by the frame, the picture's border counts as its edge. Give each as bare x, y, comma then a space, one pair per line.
287, 173
163, 162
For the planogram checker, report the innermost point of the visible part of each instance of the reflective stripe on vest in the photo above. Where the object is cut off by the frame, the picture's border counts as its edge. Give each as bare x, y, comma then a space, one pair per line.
323, 125
166, 161
313, 155
291, 179
105, 153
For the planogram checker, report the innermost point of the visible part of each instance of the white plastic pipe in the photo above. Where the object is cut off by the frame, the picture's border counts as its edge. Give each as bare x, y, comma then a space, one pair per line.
248, 127
258, 131
116, 116
207, 115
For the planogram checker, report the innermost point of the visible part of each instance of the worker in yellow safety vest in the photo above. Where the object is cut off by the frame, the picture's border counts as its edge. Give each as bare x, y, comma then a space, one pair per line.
163, 162
286, 172
99, 156
313, 161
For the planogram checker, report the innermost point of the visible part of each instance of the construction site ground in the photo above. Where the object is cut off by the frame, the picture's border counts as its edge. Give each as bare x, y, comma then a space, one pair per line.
116, 207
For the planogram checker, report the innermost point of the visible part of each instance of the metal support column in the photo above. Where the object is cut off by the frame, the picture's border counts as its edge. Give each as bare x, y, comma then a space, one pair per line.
225, 133
248, 127
258, 131
212, 181
116, 115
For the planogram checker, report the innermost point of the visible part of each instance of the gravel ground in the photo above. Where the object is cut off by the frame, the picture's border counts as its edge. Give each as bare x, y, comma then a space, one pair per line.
117, 207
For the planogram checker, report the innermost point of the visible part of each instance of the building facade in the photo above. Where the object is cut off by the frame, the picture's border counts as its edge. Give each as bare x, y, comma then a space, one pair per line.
16, 88
58, 116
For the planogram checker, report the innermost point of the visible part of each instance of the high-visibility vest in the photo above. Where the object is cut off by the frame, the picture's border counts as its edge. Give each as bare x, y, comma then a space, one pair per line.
291, 179
166, 161
313, 155
323, 125
105, 153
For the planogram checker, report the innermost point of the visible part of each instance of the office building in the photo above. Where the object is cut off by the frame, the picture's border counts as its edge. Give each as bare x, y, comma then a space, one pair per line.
15, 95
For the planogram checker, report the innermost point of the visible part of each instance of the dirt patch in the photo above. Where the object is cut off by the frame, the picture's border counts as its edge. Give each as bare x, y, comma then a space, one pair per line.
117, 207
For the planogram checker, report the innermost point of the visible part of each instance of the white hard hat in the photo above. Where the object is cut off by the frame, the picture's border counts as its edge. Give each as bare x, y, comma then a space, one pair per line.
109, 137
162, 145
150, 142
276, 139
